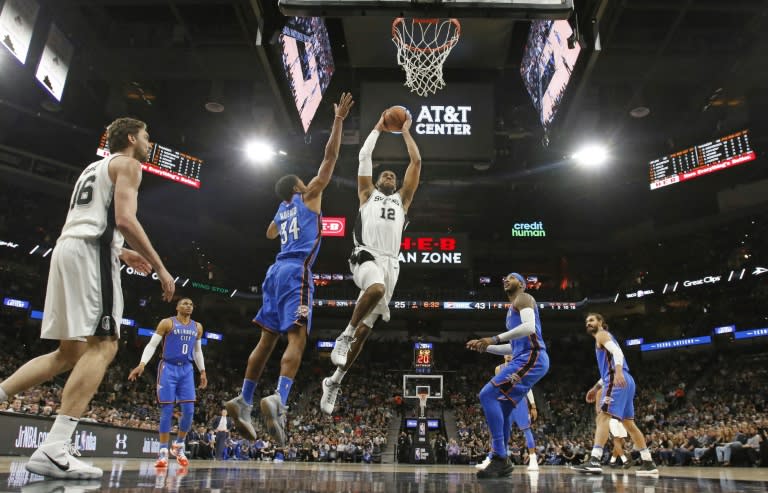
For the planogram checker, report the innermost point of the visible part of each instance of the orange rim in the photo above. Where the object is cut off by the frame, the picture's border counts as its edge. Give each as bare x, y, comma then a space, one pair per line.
445, 46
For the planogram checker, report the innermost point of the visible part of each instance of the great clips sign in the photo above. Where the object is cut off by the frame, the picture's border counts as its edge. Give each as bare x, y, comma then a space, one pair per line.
333, 226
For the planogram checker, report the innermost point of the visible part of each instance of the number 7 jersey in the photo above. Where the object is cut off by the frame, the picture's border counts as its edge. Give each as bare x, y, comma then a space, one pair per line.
380, 224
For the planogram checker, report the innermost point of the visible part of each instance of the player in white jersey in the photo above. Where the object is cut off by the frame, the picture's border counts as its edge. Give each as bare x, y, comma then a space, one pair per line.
374, 261
84, 299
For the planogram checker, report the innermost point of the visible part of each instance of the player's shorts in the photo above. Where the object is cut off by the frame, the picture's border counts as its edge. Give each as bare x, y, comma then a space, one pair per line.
617, 428
287, 294
516, 378
619, 401
382, 269
84, 296
175, 382
520, 415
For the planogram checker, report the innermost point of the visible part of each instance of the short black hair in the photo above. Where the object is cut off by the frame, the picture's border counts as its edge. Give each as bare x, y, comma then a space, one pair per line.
184, 298
284, 187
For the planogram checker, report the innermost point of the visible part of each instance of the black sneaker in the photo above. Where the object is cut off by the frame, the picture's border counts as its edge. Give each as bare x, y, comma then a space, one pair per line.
647, 468
591, 467
627, 464
500, 467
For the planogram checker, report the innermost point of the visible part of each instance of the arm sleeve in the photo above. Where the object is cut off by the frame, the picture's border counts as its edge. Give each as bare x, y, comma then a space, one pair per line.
598, 384
149, 349
199, 356
615, 350
531, 401
526, 328
366, 153
500, 349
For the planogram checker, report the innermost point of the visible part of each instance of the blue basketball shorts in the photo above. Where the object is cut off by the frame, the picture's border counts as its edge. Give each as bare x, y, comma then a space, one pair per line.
175, 382
287, 294
515, 380
619, 401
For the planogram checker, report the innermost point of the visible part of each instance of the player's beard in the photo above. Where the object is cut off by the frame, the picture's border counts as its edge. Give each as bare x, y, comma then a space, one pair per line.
386, 189
592, 330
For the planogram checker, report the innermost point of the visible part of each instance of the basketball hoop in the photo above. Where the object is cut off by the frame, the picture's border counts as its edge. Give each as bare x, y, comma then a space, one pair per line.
423, 396
422, 47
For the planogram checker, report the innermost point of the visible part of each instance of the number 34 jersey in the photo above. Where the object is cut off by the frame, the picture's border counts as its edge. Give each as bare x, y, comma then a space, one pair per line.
91, 207
380, 224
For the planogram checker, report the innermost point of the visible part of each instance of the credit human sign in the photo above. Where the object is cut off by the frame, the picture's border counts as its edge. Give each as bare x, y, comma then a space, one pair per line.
528, 229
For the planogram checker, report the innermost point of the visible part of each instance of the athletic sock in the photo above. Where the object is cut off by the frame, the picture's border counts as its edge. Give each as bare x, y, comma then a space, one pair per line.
338, 375
249, 387
284, 388
62, 429
349, 331
645, 454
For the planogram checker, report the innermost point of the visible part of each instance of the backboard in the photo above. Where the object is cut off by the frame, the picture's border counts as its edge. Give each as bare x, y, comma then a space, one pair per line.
413, 384
516, 9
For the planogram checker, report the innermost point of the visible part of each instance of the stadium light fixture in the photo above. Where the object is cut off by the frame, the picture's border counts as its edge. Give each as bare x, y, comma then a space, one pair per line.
259, 151
591, 155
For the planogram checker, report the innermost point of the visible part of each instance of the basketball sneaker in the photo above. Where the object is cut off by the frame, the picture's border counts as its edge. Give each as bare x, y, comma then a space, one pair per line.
162, 458
57, 460
177, 450
500, 467
533, 463
593, 466
241, 413
341, 349
627, 464
62, 486
274, 413
482, 465
330, 392
647, 468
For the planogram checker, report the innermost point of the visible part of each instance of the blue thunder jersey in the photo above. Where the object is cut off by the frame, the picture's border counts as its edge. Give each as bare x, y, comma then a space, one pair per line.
299, 231
525, 345
605, 362
179, 343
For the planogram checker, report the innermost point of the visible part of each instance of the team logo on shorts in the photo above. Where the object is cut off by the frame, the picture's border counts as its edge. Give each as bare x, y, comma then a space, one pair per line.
106, 323
302, 311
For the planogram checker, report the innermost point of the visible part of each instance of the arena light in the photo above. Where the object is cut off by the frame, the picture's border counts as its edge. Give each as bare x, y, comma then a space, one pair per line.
591, 155
259, 151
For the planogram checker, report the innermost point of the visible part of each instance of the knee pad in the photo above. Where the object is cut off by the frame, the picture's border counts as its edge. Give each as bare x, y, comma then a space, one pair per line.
187, 415
166, 416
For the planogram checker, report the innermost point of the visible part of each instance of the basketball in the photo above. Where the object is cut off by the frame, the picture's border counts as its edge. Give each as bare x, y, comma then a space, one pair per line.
394, 118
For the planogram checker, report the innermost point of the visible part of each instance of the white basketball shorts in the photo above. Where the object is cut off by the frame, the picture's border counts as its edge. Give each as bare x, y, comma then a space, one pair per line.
382, 270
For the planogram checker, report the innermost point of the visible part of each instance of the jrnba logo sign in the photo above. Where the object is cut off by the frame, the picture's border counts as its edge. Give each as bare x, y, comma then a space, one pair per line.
527, 230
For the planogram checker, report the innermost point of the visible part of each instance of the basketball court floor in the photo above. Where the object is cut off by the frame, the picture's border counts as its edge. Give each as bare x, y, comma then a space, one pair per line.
212, 476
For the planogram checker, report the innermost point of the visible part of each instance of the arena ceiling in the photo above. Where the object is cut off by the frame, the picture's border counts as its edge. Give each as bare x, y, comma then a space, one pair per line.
697, 65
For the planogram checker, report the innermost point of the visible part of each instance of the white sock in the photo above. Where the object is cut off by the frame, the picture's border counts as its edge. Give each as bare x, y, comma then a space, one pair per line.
613, 459
3, 395
532, 459
624, 459
338, 375
349, 331
62, 429
645, 454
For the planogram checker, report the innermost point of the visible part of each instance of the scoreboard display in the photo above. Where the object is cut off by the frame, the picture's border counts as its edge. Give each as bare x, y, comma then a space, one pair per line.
165, 162
423, 357
700, 160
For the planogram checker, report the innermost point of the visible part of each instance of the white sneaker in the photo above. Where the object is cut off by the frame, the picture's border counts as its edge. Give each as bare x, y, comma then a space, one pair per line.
341, 349
533, 464
62, 486
330, 392
274, 413
482, 465
240, 412
57, 460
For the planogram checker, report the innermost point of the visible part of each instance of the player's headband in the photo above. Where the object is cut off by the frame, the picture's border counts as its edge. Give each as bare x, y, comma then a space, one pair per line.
518, 277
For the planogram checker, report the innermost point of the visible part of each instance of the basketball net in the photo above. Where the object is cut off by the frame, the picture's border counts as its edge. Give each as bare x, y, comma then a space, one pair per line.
422, 404
422, 47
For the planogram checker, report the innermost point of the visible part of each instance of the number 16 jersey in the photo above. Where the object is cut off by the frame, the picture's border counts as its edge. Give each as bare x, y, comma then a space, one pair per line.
380, 224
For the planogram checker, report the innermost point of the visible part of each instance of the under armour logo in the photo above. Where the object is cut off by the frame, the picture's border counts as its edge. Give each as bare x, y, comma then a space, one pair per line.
121, 441
759, 270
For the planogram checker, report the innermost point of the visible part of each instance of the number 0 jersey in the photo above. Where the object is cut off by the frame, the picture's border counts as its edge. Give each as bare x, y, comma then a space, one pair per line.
91, 209
299, 231
380, 224
179, 343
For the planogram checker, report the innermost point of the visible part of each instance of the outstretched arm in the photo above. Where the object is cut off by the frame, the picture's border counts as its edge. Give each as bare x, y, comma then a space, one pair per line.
525, 305
163, 328
365, 169
317, 185
413, 173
